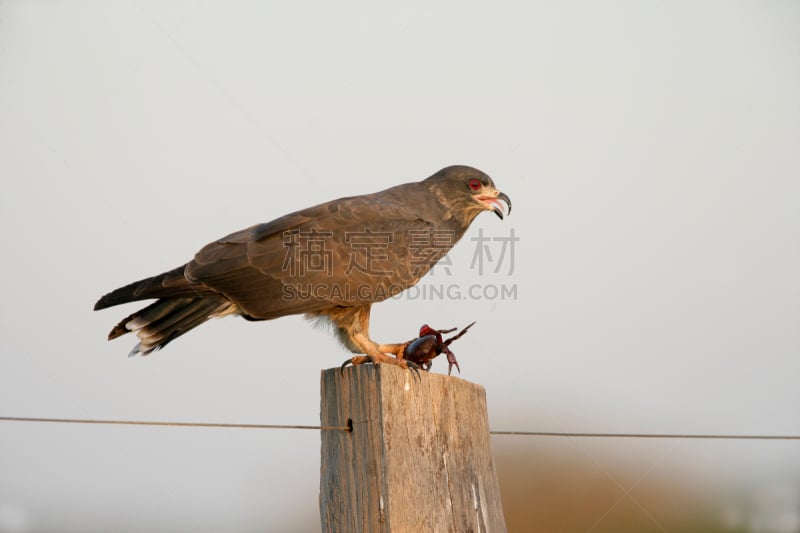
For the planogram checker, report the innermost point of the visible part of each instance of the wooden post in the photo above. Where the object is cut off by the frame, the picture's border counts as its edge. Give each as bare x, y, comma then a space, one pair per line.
418, 457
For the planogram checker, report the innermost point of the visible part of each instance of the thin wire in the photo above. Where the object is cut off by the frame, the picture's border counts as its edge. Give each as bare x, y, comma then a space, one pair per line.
645, 435
171, 424
349, 428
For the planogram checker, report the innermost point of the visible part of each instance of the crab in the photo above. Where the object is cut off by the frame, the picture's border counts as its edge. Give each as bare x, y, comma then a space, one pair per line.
422, 350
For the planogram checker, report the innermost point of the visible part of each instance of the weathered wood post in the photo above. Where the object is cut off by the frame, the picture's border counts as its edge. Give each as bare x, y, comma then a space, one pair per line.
418, 457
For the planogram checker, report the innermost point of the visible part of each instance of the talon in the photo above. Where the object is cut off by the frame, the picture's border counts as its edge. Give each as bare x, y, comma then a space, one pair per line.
355, 360
414, 367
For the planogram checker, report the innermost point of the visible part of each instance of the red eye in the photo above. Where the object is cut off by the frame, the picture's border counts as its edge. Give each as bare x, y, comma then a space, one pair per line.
475, 185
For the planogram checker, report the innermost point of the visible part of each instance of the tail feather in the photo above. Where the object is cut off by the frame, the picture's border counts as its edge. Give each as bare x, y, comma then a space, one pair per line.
165, 310
168, 284
191, 315
180, 307
154, 310
167, 319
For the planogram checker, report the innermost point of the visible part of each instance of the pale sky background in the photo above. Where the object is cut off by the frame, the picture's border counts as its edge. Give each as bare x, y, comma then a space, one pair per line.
651, 150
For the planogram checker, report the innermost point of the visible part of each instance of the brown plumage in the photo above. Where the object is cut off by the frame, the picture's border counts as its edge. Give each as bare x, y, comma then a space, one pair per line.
331, 261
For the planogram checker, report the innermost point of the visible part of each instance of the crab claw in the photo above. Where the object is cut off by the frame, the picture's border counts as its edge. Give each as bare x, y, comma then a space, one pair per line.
451, 361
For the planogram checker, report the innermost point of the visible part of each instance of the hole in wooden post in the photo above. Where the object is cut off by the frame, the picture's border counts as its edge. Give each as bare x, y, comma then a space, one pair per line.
350, 425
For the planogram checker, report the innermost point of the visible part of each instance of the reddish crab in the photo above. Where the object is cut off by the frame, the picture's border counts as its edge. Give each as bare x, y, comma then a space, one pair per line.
429, 344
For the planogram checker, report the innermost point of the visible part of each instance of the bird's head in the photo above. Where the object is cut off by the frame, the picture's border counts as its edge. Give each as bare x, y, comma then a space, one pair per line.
469, 191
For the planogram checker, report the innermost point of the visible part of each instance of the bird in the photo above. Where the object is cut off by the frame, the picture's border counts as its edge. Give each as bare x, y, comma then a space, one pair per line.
330, 262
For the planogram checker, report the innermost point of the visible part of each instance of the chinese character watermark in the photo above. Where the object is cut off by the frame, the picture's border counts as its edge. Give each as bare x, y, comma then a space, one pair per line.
306, 252
483, 251
373, 244
428, 246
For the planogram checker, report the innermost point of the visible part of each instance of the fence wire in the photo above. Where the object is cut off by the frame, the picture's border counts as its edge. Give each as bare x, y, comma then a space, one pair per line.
577, 434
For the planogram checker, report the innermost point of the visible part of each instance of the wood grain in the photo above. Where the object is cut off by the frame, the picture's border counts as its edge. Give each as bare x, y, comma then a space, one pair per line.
418, 458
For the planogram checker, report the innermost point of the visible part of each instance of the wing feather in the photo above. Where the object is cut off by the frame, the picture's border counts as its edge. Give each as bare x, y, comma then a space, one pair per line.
347, 252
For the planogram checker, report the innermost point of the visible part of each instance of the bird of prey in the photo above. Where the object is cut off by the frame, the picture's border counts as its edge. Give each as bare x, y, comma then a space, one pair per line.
331, 261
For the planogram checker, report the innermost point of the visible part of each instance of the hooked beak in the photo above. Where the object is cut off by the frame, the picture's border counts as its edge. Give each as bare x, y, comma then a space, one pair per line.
493, 203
